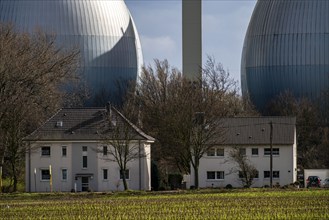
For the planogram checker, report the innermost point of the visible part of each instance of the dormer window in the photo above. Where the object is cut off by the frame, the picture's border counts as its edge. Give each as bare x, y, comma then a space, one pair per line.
59, 124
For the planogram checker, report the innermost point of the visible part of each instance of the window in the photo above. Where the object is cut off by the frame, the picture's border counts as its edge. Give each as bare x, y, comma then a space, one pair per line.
266, 174
64, 152
211, 152
126, 172
215, 175
104, 150
84, 148
45, 151
45, 174
276, 174
220, 175
275, 151
254, 151
242, 151
84, 161
255, 174
64, 174
241, 175
211, 175
105, 174
219, 152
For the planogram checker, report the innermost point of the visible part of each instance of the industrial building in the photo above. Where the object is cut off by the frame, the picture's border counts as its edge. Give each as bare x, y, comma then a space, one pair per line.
286, 48
104, 31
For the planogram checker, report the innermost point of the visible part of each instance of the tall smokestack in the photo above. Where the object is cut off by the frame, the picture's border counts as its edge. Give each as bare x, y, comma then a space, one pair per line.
192, 38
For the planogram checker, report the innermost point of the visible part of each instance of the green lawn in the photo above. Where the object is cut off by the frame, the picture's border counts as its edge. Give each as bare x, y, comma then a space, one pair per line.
231, 204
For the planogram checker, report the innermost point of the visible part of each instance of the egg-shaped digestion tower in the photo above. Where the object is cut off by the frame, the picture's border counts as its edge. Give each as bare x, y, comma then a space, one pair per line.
103, 30
286, 48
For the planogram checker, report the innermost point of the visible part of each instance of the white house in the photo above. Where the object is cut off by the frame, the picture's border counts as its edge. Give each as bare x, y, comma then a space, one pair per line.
68, 153
251, 135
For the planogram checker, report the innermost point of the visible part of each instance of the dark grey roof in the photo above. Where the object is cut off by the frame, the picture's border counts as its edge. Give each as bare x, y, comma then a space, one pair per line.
256, 130
82, 124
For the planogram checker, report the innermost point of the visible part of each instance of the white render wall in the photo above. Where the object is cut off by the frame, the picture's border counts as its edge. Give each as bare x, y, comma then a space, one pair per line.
140, 171
285, 163
35, 162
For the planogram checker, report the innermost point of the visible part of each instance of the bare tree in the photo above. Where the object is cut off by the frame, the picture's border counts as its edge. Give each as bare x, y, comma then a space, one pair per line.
310, 129
122, 140
246, 170
33, 73
77, 94
168, 104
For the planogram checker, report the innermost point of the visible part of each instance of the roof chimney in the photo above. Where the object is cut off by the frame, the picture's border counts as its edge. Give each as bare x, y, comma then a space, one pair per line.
108, 110
108, 107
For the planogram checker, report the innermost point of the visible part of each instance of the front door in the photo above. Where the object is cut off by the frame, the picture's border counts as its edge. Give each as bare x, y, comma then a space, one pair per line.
84, 184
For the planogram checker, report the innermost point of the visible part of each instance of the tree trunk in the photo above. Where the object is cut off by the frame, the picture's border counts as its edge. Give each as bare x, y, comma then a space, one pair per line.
124, 180
14, 176
125, 185
1, 172
0, 178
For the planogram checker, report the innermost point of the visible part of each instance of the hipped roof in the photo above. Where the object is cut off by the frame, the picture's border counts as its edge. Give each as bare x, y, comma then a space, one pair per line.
84, 124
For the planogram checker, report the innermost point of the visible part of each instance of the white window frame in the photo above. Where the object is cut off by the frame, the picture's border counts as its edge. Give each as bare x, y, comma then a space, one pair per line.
64, 147
211, 152
243, 151
107, 174
42, 150
276, 176
84, 167
41, 175
265, 176
217, 175
217, 151
214, 152
274, 171
255, 155
105, 151
62, 172
275, 151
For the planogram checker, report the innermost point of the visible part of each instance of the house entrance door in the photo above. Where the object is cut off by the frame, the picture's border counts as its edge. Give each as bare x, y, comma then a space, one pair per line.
84, 183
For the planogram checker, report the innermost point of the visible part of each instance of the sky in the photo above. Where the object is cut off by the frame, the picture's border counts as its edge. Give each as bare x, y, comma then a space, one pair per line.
224, 25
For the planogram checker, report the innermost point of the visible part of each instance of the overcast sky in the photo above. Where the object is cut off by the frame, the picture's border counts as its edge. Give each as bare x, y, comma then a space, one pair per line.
225, 22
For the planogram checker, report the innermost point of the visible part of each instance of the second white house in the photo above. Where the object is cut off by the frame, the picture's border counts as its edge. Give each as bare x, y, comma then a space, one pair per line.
252, 137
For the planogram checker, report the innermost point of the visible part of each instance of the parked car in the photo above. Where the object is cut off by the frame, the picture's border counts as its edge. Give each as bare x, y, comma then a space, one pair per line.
325, 183
313, 181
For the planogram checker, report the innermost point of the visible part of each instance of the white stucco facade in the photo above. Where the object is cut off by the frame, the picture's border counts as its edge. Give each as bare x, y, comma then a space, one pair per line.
73, 151
75, 170
217, 169
285, 163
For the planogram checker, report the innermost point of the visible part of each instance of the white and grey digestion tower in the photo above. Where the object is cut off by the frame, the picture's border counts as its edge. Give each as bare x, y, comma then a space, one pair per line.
104, 31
